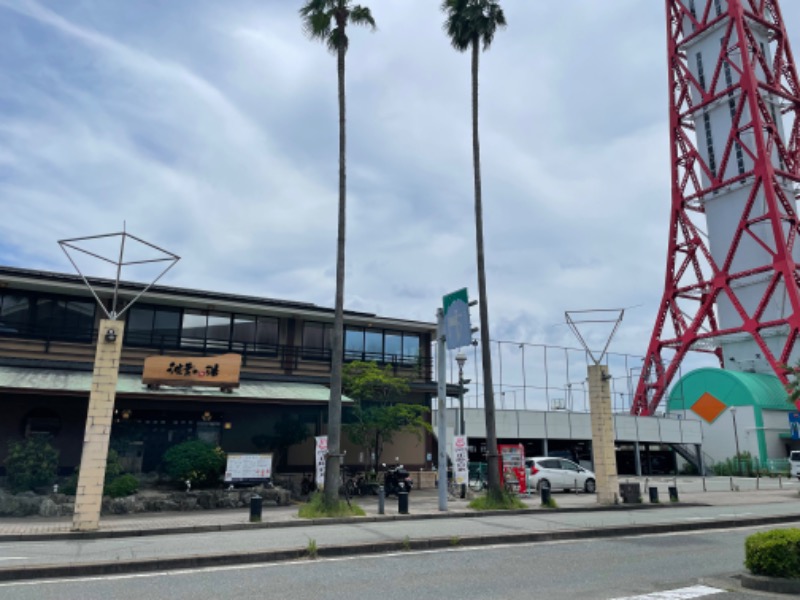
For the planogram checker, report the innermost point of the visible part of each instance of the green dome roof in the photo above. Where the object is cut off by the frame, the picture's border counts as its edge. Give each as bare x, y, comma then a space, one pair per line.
733, 388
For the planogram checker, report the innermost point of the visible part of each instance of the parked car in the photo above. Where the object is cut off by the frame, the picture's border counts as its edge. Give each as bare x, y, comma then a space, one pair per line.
558, 474
794, 463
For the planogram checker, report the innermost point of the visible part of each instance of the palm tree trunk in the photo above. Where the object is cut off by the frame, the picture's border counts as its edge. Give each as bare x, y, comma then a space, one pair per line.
337, 342
493, 469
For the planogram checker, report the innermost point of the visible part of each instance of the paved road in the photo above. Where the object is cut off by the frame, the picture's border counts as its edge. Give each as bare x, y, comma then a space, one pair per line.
599, 569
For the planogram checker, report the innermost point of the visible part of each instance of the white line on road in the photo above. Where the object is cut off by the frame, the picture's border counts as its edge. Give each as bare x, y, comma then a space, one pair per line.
13, 558
696, 591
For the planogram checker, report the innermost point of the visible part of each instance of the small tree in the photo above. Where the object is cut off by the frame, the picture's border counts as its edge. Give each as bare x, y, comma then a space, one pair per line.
793, 387
31, 463
379, 411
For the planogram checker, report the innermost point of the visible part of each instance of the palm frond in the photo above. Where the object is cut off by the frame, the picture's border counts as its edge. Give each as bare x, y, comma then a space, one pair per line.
361, 15
472, 21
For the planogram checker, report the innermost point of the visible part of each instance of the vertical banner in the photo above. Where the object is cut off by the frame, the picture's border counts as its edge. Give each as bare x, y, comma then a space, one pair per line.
460, 459
321, 453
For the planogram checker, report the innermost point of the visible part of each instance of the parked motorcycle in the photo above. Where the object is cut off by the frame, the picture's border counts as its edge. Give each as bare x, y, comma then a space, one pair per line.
396, 479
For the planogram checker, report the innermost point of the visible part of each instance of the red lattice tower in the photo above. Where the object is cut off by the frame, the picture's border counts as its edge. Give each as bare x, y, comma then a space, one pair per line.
738, 178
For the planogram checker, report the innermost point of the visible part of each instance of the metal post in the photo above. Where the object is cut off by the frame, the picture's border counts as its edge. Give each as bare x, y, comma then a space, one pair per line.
736, 440
441, 420
461, 358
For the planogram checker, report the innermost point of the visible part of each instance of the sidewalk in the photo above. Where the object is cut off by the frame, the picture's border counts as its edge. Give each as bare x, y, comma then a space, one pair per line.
225, 537
422, 504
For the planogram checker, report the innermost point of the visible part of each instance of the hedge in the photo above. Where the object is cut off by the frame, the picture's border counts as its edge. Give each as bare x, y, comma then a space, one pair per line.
774, 553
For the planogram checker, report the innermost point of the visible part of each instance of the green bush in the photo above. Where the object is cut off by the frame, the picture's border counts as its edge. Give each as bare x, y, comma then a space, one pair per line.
196, 461
122, 486
774, 553
31, 463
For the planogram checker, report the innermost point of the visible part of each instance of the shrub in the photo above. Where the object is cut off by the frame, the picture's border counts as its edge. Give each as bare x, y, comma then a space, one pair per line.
196, 461
774, 553
31, 463
122, 486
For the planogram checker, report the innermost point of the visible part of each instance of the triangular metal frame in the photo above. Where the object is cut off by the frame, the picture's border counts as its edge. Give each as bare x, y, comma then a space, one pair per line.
119, 264
573, 323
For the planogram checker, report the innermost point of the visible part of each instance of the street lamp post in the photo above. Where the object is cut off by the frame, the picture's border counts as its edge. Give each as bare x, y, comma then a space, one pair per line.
736, 440
461, 358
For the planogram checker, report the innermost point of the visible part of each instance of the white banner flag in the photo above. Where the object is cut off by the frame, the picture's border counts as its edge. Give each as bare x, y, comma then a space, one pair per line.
322, 452
460, 459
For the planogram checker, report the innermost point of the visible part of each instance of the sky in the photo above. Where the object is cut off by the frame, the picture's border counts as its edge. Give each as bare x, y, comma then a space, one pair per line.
209, 129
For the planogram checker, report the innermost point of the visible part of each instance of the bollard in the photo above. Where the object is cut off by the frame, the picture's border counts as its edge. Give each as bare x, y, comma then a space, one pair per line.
704, 484
255, 509
544, 492
402, 502
780, 483
673, 493
758, 481
463, 490
381, 499
653, 495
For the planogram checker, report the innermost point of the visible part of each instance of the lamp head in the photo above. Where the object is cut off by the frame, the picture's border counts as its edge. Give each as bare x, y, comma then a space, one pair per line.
111, 335
461, 358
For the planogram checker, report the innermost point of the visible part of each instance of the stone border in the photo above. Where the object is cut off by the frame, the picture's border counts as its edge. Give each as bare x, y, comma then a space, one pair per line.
777, 585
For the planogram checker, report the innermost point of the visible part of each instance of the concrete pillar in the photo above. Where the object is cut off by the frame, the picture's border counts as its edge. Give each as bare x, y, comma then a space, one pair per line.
637, 456
605, 459
89, 495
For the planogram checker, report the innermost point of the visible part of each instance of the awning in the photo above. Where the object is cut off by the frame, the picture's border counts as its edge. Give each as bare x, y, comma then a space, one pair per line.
57, 380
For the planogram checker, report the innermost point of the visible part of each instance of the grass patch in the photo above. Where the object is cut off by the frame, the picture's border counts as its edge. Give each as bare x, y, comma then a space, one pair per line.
312, 550
455, 540
316, 508
503, 500
406, 544
551, 503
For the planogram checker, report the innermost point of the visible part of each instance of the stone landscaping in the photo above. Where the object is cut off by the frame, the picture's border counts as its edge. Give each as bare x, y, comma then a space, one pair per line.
147, 500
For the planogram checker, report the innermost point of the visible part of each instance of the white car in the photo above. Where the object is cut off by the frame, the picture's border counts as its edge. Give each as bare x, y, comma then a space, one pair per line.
558, 474
794, 463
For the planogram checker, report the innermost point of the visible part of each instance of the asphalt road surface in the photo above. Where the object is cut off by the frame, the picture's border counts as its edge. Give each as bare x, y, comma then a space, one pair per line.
690, 565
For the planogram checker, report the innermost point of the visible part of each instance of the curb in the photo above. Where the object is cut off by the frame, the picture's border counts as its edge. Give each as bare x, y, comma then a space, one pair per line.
242, 558
770, 584
124, 533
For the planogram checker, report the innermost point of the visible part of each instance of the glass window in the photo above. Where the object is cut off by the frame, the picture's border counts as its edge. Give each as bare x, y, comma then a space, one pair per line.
79, 319
373, 345
267, 334
15, 313
353, 343
316, 340
153, 326
193, 332
244, 333
392, 346
410, 349
166, 327
568, 465
218, 331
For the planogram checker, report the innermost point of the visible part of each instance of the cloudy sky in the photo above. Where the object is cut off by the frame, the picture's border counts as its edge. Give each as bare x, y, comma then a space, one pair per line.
209, 128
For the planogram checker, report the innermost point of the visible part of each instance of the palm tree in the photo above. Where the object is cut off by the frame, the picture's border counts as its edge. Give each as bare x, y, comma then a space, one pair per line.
470, 24
327, 20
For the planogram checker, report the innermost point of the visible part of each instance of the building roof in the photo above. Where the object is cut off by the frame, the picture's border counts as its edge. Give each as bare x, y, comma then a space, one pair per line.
733, 388
80, 382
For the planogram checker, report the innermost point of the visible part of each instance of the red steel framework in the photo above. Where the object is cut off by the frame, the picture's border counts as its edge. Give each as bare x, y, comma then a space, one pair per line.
694, 281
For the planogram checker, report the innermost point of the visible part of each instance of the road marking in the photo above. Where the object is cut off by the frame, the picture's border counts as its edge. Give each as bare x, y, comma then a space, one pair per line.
696, 591
13, 558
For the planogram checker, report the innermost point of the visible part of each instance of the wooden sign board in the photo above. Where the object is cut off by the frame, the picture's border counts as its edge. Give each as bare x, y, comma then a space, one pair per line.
207, 371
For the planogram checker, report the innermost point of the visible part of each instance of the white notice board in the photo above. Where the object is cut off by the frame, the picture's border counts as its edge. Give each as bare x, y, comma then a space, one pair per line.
248, 467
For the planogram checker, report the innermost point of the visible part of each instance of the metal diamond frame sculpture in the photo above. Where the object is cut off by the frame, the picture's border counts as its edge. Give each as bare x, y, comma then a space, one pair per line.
594, 317
119, 263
